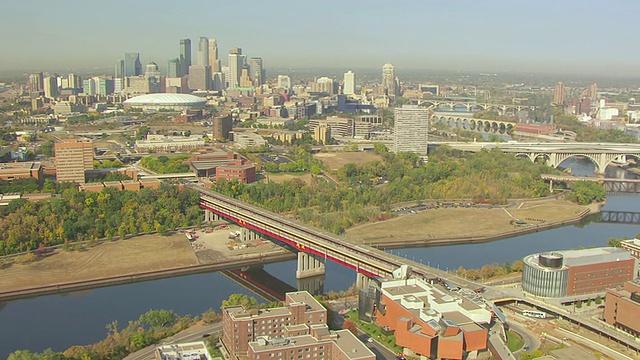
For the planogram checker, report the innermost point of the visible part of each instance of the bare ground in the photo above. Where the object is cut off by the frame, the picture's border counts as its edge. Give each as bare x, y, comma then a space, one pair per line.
464, 222
143, 253
282, 177
336, 160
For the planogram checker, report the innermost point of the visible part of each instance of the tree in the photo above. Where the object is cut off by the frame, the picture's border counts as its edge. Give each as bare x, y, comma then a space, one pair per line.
615, 242
243, 300
158, 318
210, 316
351, 326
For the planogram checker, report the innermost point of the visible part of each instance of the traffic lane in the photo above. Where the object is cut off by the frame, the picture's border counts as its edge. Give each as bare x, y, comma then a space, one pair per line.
530, 339
381, 351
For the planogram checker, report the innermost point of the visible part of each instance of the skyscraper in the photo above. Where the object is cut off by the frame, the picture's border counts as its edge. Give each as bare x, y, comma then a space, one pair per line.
185, 56
203, 52
236, 61
593, 91
36, 82
388, 80
558, 96
214, 60
284, 82
256, 71
411, 127
199, 77
132, 64
51, 87
349, 83
174, 68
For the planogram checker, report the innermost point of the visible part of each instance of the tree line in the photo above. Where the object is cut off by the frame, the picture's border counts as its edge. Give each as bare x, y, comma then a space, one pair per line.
81, 216
490, 176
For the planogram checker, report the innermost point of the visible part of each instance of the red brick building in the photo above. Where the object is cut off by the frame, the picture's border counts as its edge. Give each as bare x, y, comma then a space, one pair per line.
622, 307
431, 322
240, 326
574, 272
241, 170
21, 170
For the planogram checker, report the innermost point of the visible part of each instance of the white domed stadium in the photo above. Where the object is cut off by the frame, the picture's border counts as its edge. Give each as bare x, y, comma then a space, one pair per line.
180, 102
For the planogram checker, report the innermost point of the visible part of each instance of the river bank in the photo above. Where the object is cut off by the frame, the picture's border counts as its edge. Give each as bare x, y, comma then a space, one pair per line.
152, 256
446, 226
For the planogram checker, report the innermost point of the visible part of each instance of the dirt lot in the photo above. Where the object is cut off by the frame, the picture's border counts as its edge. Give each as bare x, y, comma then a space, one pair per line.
461, 222
336, 160
281, 177
143, 253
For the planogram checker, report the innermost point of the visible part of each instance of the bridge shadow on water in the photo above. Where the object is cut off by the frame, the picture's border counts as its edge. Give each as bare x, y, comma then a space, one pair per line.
611, 217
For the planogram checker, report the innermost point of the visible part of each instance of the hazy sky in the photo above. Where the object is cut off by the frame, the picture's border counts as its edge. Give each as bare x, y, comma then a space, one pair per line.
555, 36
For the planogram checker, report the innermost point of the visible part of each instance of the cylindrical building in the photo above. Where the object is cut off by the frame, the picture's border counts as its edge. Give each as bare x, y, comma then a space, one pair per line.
544, 275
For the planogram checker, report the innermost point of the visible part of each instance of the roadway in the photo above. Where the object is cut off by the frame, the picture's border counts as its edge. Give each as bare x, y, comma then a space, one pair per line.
527, 147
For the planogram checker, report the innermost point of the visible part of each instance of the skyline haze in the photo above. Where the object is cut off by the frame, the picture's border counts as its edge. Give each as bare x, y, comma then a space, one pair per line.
570, 37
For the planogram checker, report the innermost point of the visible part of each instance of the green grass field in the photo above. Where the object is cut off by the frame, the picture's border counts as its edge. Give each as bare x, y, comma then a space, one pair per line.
514, 341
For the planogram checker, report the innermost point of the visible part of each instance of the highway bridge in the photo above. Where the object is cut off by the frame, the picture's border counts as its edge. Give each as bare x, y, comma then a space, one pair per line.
601, 154
362, 259
611, 185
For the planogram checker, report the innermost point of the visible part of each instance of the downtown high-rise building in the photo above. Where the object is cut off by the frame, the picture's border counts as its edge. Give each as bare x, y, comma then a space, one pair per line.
236, 62
185, 56
389, 83
256, 71
36, 82
558, 96
51, 87
411, 128
214, 59
132, 64
349, 86
174, 68
203, 52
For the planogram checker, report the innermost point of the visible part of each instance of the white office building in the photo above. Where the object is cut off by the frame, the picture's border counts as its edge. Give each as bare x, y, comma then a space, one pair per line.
411, 128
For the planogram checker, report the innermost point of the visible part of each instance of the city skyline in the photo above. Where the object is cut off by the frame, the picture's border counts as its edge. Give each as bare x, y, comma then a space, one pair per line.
495, 35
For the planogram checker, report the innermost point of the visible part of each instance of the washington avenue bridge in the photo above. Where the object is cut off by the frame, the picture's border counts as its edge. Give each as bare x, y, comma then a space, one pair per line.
313, 245
601, 154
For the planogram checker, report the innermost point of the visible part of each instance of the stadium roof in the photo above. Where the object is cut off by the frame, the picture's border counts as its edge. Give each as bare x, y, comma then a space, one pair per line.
166, 99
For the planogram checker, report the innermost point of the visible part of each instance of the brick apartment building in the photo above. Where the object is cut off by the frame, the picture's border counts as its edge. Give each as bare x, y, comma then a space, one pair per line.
293, 332
430, 322
622, 307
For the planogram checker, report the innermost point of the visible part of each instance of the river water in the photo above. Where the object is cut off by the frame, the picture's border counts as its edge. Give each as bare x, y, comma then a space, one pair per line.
60, 321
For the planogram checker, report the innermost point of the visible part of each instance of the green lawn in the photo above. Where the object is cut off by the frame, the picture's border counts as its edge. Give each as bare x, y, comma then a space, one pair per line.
376, 332
514, 341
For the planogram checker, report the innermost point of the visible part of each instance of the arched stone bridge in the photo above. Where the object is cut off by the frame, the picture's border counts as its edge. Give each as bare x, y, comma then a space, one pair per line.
453, 105
478, 125
601, 154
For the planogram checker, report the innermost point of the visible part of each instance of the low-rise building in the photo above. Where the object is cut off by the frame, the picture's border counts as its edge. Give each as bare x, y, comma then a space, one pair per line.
170, 144
431, 322
246, 139
196, 350
21, 170
573, 272
315, 342
240, 170
622, 307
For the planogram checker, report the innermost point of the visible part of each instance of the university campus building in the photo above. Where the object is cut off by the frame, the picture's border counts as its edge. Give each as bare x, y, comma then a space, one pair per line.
296, 331
430, 322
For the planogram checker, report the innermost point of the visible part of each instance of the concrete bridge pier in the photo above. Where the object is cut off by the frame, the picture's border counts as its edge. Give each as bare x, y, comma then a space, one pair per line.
248, 234
362, 281
312, 284
309, 265
211, 216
